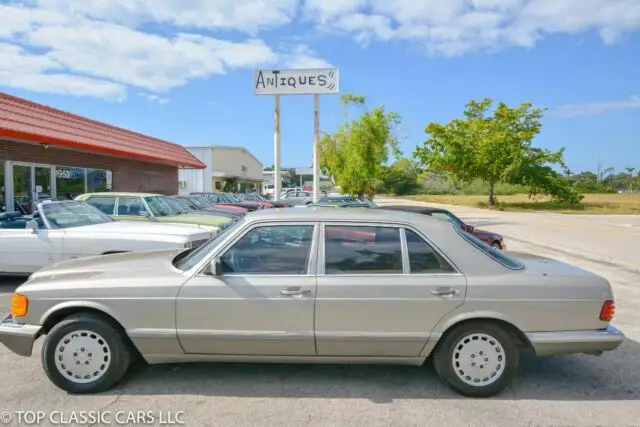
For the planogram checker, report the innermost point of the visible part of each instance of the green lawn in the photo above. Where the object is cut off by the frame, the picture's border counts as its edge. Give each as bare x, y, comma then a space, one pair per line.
605, 204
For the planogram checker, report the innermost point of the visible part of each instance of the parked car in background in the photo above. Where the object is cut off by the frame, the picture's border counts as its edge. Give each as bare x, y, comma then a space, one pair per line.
148, 207
341, 200
60, 231
262, 204
185, 206
233, 200
201, 204
268, 191
224, 199
490, 238
254, 197
319, 285
297, 198
215, 200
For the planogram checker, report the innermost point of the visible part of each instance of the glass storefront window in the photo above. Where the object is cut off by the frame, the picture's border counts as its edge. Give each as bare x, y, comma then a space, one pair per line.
69, 182
3, 203
98, 180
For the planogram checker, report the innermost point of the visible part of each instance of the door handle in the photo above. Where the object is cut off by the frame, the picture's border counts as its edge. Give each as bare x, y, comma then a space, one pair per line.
445, 292
292, 292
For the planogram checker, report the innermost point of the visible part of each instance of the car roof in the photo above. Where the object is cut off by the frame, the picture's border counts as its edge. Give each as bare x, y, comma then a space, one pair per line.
411, 208
117, 193
321, 213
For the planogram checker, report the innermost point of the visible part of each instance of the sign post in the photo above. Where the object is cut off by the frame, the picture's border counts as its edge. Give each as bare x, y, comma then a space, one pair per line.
276, 149
296, 82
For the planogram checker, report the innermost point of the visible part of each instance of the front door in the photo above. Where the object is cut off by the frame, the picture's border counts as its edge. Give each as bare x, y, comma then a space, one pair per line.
263, 301
23, 252
379, 297
31, 184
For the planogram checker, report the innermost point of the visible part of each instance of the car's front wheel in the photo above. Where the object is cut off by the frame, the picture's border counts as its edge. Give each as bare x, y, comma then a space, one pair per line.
477, 359
85, 353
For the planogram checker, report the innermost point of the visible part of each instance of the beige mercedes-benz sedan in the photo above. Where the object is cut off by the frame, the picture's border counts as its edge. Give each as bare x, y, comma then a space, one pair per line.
313, 285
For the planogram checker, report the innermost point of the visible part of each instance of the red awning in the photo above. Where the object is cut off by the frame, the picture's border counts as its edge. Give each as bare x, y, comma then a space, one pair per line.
25, 120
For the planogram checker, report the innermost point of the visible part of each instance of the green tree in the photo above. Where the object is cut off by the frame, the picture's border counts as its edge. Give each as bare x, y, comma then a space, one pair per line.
495, 146
355, 153
400, 178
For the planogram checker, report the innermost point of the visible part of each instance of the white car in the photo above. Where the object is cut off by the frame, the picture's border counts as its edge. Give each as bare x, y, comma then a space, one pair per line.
61, 231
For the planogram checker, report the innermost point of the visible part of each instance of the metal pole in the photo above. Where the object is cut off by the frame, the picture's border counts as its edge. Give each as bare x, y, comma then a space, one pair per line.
277, 182
316, 147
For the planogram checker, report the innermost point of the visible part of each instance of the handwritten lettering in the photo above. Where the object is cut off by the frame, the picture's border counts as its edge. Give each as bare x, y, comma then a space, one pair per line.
295, 81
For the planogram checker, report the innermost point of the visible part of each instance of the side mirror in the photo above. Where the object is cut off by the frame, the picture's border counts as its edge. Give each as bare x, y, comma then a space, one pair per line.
33, 225
215, 267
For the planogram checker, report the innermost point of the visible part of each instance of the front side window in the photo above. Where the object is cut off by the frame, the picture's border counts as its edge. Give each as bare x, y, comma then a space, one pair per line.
280, 249
72, 214
362, 250
130, 206
423, 258
104, 204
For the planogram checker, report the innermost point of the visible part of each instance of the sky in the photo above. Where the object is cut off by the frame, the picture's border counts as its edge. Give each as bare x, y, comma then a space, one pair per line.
181, 70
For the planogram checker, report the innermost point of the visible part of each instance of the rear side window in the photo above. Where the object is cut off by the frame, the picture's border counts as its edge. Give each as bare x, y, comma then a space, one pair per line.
103, 204
495, 254
362, 250
423, 258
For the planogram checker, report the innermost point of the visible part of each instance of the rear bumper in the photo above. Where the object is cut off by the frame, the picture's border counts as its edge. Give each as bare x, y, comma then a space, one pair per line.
570, 342
18, 338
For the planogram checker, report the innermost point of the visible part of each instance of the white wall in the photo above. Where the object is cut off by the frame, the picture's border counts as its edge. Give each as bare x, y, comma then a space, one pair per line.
197, 180
230, 161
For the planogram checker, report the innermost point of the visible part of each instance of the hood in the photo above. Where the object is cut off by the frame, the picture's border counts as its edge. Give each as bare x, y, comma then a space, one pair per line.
193, 218
234, 208
131, 264
137, 227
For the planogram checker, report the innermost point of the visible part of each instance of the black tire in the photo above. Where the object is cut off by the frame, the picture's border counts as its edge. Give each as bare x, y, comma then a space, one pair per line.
444, 354
496, 245
120, 353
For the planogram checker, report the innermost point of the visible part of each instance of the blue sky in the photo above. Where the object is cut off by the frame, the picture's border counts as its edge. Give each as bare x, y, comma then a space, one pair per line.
181, 70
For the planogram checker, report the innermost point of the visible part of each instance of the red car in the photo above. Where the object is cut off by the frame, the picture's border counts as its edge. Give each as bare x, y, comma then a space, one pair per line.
219, 202
490, 238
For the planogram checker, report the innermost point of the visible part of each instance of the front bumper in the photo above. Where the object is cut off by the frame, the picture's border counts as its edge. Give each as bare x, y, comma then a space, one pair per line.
16, 337
571, 342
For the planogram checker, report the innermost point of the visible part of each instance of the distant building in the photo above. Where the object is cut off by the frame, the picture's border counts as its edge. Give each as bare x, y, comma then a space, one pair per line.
225, 166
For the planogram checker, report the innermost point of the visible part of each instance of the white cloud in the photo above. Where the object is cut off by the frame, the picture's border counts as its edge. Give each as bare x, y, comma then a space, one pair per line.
597, 108
302, 56
455, 27
154, 98
244, 15
149, 61
24, 70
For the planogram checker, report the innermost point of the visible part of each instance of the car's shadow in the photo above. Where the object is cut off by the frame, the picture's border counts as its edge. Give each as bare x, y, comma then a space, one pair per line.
612, 376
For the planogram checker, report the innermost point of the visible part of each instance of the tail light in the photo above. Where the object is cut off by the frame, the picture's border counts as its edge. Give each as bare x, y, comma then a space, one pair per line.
608, 311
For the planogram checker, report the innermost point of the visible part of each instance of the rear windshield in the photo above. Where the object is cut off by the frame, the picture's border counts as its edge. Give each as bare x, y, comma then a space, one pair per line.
494, 253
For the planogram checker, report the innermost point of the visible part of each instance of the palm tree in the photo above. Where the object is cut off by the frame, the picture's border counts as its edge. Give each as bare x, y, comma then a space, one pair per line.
630, 170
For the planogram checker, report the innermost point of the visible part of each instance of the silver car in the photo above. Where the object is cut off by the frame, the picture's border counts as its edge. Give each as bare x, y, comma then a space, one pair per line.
313, 285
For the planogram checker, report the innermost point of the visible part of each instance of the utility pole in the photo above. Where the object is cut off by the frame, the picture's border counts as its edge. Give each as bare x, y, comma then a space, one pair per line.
599, 168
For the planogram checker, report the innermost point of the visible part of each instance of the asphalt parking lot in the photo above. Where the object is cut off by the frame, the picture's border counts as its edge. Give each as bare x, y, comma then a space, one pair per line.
576, 390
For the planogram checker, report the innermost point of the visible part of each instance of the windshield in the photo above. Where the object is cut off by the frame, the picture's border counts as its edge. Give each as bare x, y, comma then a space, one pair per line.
160, 206
232, 198
202, 201
72, 214
179, 204
448, 217
196, 202
496, 254
188, 259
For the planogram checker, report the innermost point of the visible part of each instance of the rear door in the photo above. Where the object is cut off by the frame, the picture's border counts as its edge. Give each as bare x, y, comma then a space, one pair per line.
381, 290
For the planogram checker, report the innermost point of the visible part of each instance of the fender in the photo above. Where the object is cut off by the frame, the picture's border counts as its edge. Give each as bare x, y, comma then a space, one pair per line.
79, 304
456, 317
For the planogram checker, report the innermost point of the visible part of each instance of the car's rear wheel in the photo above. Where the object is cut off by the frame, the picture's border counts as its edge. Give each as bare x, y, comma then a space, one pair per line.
85, 353
496, 245
477, 359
